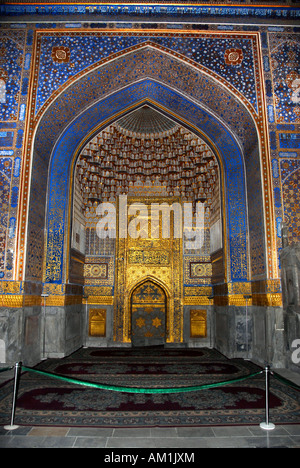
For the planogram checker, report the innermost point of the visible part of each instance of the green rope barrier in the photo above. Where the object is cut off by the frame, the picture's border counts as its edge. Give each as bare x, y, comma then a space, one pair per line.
139, 390
4, 369
286, 381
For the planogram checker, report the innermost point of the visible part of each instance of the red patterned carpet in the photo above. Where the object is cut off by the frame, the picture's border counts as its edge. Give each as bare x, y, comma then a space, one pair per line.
43, 400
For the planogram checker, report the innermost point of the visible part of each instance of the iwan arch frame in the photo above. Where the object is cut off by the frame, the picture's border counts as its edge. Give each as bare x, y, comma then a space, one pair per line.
185, 67
122, 311
61, 165
147, 86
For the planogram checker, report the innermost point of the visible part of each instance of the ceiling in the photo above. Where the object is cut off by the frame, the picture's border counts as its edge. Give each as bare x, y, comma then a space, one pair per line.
146, 149
146, 120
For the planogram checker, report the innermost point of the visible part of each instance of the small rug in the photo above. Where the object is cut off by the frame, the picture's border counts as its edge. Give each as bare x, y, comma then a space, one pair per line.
45, 401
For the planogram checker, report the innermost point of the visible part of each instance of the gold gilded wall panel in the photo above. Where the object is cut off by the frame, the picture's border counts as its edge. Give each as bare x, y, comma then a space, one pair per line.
149, 257
198, 323
200, 270
99, 270
97, 322
11, 301
158, 259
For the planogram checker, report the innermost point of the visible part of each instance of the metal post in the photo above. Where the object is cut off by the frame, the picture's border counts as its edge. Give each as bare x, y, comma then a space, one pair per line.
246, 326
12, 426
267, 425
86, 324
44, 326
211, 321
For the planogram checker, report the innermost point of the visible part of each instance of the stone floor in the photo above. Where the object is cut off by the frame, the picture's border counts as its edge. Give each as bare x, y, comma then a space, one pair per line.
176, 438
151, 438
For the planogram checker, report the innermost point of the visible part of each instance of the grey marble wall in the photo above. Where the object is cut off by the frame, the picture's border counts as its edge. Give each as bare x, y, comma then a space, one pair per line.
254, 332
290, 265
63, 333
30, 334
20, 332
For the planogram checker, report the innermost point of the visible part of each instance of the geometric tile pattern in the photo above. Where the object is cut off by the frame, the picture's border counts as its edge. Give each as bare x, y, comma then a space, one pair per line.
286, 75
291, 200
5, 185
65, 55
183, 10
11, 62
83, 49
165, 68
150, 62
110, 107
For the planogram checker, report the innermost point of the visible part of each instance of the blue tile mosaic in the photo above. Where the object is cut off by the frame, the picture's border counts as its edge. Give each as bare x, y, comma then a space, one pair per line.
107, 108
11, 60
80, 50
19, 138
64, 55
273, 140
154, 11
286, 70
287, 154
271, 113
279, 226
290, 175
6, 138
6, 152
5, 185
275, 168
287, 167
289, 140
156, 64
277, 197
17, 167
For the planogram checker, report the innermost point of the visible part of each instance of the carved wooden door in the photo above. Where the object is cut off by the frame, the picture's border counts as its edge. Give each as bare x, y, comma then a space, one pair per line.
148, 315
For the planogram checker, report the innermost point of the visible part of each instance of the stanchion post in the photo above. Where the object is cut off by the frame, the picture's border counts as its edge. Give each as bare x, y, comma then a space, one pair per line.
44, 295
86, 324
247, 297
12, 426
211, 303
266, 425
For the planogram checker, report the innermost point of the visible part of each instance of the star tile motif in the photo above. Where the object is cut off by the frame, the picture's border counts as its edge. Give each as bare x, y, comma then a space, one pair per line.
156, 322
140, 322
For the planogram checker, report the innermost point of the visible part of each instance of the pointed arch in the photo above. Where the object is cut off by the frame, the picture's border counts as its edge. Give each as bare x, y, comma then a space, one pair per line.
111, 108
98, 97
153, 280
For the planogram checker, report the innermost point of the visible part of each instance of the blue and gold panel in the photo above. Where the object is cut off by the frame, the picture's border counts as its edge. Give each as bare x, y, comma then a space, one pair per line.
11, 62
7, 226
180, 11
290, 191
286, 79
144, 61
62, 55
105, 111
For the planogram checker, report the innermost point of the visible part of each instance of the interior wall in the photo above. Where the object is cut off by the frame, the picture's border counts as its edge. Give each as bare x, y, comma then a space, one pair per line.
43, 75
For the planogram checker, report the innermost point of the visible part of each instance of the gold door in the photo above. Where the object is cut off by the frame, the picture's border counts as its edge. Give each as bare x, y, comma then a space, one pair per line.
152, 257
148, 315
